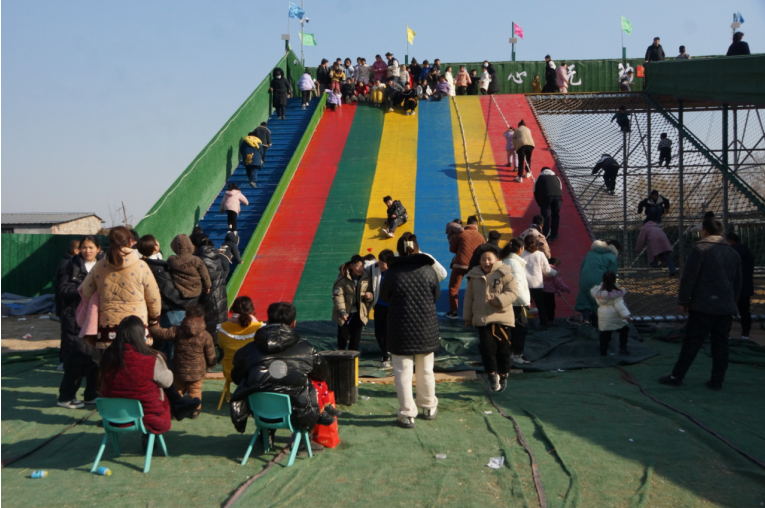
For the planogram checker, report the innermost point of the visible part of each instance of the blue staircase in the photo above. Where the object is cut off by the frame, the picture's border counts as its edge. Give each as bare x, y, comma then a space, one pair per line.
285, 136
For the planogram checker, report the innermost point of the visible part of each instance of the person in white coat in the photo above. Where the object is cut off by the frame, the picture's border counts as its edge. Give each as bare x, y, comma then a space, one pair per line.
511, 255
537, 267
613, 314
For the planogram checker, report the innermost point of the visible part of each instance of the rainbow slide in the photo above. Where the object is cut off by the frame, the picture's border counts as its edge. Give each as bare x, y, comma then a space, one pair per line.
333, 206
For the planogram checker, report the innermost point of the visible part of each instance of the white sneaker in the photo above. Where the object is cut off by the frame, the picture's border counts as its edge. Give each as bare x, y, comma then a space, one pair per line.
390, 110
519, 359
413, 113
430, 414
519, 179
60, 367
72, 404
406, 422
494, 382
303, 106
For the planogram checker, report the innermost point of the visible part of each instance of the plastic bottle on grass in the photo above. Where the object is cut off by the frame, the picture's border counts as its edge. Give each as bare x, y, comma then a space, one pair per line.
39, 474
103, 471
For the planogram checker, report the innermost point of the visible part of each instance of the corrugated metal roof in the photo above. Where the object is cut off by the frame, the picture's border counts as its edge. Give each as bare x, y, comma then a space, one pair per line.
44, 218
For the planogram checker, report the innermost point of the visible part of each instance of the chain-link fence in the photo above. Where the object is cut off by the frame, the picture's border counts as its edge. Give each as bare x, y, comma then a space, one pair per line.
700, 176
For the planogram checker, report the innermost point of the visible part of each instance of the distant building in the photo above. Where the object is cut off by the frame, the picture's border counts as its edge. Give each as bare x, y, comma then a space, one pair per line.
75, 223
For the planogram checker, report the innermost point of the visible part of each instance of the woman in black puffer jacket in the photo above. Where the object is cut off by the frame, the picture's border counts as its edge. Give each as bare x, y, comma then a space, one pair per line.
78, 357
411, 290
494, 83
216, 301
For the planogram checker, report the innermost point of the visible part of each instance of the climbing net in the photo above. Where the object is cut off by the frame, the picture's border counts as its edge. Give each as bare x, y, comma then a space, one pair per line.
579, 130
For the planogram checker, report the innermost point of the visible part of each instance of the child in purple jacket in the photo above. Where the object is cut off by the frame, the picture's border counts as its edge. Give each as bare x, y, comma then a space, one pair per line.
553, 285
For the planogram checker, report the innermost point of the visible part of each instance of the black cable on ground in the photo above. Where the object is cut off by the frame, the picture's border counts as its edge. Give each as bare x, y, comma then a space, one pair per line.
534, 466
8, 462
239, 492
628, 377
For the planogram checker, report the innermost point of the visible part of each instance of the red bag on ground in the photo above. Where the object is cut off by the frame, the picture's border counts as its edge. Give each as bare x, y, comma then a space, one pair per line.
322, 434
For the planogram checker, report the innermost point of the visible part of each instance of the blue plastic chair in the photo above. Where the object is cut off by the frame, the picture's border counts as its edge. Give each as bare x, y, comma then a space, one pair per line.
123, 412
273, 411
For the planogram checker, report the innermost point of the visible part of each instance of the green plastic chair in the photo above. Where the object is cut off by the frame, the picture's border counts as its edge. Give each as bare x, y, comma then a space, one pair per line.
273, 411
123, 412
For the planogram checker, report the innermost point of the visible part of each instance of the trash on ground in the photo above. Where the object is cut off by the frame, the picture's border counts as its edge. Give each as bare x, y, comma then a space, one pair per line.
632, 440
487, 412
39, 474
364, 397
104, 471
22, 319
27, 336
496, 462
681, 430
441, 456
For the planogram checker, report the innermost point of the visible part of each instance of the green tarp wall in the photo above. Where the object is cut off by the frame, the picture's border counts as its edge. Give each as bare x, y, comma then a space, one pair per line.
29, 261
585, 75
735, 79
188, 198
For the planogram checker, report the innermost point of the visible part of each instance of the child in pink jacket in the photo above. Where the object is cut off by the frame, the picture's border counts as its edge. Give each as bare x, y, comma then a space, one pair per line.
230, 204
552, 286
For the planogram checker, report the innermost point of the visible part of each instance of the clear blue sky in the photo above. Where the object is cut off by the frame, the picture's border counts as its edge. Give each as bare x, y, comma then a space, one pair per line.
109, 101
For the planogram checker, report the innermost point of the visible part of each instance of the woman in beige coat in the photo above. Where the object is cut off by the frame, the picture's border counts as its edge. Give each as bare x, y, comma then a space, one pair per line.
125, 287
523, 142
352, 298
491, 291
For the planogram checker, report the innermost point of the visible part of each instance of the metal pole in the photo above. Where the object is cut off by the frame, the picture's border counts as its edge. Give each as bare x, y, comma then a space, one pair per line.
648, 155
302, 31
624, 188
680, 163
513, 36
725, 162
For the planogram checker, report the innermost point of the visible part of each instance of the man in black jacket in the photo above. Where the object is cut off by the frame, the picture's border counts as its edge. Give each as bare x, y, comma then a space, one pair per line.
278, 361
323, 76
654, 53
747, 283
738, 47
74, 249
551, 77
610, 170
264, 135
548, 193
396, 216
709, 291
655, 206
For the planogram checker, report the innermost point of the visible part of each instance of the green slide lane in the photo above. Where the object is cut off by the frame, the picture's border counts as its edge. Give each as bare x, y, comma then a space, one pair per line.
342, 223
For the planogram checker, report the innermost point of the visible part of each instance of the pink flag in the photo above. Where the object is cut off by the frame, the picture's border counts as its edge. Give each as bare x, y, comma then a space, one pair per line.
518, 31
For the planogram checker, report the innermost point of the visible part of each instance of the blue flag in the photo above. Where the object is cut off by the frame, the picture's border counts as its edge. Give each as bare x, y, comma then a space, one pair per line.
739, 18
296, 12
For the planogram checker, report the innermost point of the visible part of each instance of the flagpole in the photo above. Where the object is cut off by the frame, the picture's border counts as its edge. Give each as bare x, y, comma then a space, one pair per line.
302, 30
406, 60
624, 50
513, 36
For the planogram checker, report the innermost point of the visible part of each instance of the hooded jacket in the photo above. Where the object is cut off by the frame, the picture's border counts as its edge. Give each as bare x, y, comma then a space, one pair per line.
231, 201
494, 83
251, 151
547, 186
398, 209
323, 76
537, 267
711, 279
608, 164
216, 301
72, 277
264, 134
536, 86
497, 286
464, 244
654, 240
522, 137
536, 232
60, 275
189, 273
411, 289
171, 297
278, 361
612, 312
281, 88
194, 351
230, 248
601, 259
305, 83
518, 266
654, 209
128, 290
345, 292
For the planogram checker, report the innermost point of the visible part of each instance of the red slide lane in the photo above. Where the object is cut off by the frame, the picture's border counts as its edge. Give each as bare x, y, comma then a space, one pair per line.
573, 242
275, 273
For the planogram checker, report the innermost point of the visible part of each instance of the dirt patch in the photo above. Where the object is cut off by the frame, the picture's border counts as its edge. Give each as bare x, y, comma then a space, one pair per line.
45, 333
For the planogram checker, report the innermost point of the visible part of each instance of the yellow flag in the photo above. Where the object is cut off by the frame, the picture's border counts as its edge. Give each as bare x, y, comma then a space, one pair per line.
410, 34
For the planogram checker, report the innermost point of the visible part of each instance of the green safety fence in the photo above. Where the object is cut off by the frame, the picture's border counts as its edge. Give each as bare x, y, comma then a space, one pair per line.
188, 198
29, 262
265, 221
584, 75
736, 79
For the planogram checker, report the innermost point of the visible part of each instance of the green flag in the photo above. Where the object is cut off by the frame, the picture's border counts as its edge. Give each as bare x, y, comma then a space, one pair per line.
307, 39
626, 25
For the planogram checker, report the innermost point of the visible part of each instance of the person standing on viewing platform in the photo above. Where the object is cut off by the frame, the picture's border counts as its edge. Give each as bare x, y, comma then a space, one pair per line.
738, 46
551, 76
472, 88
654, 53
548, 193
493, 80
364, 72
462, 245
610, 171
523, 142
683, 55
747, 283
323, 76
348, 69
462, 81
561, 77
709, 291
411, 290
281, 90
415, 70
251, 151
393, 70
380, 68
352, 298
536, 86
